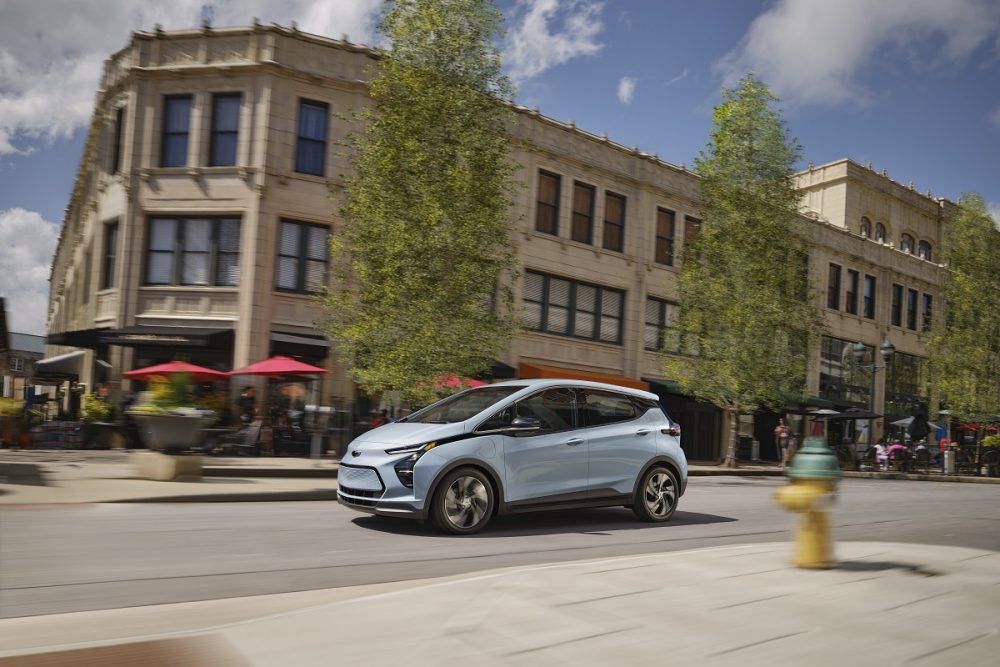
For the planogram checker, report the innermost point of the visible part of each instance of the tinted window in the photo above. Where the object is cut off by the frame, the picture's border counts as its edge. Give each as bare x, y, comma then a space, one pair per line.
605, 407
498, 421
463, 405
554, 408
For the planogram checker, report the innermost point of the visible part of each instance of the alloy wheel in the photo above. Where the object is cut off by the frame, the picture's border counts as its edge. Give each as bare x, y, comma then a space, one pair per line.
466, 502
659, 494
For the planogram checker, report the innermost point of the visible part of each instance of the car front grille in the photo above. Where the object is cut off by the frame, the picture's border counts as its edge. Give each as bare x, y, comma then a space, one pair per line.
359, 497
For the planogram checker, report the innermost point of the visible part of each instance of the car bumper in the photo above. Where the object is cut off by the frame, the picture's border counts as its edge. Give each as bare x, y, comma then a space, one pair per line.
376, 490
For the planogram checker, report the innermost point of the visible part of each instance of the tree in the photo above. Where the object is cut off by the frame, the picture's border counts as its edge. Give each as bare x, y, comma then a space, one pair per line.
746, 318
964, 347
425, 239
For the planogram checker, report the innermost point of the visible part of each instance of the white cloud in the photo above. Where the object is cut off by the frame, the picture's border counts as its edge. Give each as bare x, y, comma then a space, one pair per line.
27, 242
812, 52
547, 33
626, 89
680, 77
52, 52
993, 208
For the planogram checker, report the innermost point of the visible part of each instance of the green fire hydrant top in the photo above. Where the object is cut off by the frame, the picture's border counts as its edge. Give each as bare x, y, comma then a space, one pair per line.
814, 461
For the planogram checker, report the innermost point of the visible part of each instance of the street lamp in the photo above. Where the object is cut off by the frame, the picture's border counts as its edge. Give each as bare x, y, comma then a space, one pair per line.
886, 349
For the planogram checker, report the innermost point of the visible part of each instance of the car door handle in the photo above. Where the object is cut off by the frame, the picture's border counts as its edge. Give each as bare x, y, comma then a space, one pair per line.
643, 431
573, 442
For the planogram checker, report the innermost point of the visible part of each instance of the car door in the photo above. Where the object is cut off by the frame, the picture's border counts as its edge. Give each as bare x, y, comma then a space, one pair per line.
550, 464
620, 440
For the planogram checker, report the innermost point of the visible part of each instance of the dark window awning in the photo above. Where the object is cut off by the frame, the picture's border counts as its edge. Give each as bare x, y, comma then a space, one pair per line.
312, 347
81, 338
658, 386
64, 366
146, 336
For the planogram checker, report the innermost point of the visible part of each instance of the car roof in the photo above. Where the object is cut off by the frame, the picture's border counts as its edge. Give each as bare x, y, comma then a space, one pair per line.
562, 382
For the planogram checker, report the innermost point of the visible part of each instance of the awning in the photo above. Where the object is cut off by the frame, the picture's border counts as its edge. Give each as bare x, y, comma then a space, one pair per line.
299, 345
658, 386
65, 366
143, 336
88, 338
529, 371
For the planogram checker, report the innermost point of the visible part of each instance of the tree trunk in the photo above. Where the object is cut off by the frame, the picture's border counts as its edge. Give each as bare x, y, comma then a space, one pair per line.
733, 416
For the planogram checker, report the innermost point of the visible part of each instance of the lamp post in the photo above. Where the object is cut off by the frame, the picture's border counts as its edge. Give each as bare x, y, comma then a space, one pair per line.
886, 349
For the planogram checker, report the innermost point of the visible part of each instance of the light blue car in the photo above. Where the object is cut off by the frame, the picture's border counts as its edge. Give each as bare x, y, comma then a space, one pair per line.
519, 446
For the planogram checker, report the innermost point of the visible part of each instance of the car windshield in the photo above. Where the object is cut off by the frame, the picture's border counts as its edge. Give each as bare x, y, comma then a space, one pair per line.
462, 406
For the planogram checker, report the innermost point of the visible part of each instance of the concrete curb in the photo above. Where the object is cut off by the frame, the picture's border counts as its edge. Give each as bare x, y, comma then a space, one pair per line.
299, 473
264, 497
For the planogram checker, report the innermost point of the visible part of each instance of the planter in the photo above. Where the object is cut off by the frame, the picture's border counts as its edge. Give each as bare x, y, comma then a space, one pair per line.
167, 433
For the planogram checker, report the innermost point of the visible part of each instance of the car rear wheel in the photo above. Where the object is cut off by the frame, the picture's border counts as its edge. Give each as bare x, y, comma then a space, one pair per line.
464, 502
656, 497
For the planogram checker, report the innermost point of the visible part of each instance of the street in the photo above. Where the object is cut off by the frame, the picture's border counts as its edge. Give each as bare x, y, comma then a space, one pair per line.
72, 558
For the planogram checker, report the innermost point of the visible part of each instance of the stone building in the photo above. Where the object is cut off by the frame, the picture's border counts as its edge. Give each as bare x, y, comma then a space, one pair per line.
209, 183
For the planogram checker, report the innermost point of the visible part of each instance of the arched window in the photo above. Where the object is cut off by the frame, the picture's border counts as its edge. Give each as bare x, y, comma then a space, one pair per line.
924, 251
866, 228
880, 233
906, 243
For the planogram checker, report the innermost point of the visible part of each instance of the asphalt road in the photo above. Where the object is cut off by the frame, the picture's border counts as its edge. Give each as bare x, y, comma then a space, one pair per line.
73, 558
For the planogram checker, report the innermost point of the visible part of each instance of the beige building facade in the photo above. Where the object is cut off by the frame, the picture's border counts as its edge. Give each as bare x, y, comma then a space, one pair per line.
211, 178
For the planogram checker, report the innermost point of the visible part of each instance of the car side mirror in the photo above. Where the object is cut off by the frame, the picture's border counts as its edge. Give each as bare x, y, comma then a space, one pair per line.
674, 431
523, 425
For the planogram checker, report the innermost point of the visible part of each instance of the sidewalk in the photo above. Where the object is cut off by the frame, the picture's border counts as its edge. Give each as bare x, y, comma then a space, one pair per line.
884, 603
29, 477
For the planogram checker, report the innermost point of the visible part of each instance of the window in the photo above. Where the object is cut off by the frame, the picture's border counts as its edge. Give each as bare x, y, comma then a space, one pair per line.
833, 287
911, 309
851, 295
176, 125
664, 253
547, 207
660, 333
924, 251
906, 243
17, 364
110, 255
614, 222
928, 311
570, 308
598, 408
840, 379
897, 305
193, 251
866, 227
116, 159
880, 233
869, 297
691, 228
302, 257
310, 148
554, 408
225, 129
583, 213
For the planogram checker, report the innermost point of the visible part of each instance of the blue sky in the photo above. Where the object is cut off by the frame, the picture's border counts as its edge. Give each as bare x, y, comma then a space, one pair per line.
913, 86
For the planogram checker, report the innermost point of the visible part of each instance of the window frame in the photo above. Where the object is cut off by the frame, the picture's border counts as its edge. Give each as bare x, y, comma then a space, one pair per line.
16, 364
109, 258
586, 217
667, 241
851, 292
575, 412
550, 207
866, 227
302, 257
880, 232
572, 309
925, 250
618, 225
912, 306
213, 158
116, 154
833, 285
869, 296
178, 251
661, 325
166, 134
298, 166
581, 415
906, 239
896, 306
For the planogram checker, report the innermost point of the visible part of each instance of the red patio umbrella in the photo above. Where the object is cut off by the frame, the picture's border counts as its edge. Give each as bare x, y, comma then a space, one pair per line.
197, 373
279, 366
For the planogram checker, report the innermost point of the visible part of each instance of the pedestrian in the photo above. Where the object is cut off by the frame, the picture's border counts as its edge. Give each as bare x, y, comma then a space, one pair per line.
781, 434
881, 454
246, 405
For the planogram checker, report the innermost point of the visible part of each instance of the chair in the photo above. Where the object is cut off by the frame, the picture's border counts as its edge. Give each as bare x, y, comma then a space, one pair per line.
900, 460
868, 460
243, 442
922, 461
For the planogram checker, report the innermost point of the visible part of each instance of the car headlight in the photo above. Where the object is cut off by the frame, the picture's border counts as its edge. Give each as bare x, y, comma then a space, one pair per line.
404, 467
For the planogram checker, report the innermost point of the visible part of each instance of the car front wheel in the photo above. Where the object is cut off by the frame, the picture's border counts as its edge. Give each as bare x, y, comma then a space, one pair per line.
656, 497
464, 502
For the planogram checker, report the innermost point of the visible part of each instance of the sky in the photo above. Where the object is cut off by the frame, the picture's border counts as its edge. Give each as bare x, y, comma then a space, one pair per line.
912, 86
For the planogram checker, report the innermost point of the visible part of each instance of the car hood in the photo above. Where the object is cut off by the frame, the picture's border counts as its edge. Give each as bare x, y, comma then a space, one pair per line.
399, 434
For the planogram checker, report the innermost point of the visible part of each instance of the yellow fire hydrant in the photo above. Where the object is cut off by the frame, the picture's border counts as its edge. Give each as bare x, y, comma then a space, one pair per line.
814, 473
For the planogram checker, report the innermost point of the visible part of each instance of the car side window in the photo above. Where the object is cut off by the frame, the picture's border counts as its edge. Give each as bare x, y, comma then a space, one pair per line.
497, 421
554, 408
599, 408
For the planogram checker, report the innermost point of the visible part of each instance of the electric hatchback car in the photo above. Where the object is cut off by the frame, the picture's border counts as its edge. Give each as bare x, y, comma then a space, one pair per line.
517, 446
